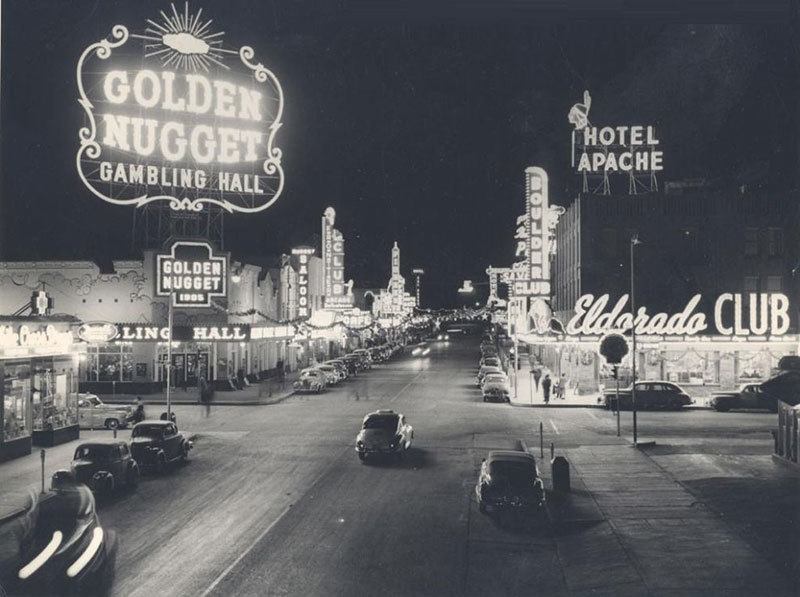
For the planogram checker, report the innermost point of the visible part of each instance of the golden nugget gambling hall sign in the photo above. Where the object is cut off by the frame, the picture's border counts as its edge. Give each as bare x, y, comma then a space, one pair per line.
191, 274
172, 113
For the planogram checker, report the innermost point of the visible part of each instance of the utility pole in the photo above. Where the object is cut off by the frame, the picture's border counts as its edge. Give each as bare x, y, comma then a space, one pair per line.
634, 241
169, 357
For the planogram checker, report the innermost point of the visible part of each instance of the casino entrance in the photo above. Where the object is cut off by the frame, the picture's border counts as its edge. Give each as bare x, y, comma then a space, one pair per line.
190, 362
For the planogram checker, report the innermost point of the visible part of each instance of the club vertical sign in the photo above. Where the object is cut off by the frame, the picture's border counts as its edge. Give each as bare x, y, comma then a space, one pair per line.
533, 241
174, 114
338, 293
303, 255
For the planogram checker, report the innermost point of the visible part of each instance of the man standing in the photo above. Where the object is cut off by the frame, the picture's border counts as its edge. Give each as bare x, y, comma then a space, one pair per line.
546, 383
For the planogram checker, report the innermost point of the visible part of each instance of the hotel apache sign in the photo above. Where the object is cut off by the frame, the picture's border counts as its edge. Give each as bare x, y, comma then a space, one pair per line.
612, 149
192, 274
734, 315
173, 114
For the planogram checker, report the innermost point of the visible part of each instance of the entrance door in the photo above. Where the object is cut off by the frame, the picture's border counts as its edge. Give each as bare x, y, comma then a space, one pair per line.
202, 366
191, 370
179, 370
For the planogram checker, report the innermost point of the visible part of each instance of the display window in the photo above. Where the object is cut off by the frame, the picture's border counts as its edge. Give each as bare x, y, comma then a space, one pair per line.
54, 394
110, 362
16, 398
690, 367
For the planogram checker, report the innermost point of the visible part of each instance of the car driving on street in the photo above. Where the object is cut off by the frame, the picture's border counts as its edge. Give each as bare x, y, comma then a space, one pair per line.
649, 395
509, 480
748, 396
383, 433
93, 413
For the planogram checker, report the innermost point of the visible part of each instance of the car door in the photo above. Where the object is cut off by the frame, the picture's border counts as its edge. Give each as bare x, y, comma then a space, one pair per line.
171, 441
115, 466
644, 395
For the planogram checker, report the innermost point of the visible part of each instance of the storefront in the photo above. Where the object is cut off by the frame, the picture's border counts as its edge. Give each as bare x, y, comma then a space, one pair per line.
39, 361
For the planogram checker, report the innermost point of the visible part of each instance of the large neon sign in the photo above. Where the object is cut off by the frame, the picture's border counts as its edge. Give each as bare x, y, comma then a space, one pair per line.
193, 124
338, 293
303, 254
191, 274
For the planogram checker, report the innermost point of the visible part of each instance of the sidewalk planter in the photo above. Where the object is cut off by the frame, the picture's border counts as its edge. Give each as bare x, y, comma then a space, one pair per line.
47, 438
15, 448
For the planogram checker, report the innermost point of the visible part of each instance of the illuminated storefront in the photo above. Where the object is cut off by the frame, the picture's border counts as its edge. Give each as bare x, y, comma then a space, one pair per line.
39, 360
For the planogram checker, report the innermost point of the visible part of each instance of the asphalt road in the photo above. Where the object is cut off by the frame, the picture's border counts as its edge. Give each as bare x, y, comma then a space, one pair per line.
275, 501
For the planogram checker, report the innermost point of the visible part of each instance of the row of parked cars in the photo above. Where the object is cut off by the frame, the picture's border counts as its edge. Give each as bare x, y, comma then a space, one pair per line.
316, 379
491, 378
53, 543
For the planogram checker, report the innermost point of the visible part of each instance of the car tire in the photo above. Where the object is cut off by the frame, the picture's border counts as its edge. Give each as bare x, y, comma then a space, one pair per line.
112, 424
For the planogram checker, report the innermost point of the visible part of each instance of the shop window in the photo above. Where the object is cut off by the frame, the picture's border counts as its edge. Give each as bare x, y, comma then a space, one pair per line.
692, 367
16, 398
774, 283
54, 394
774, 242
750, 284
751, 242
110, 362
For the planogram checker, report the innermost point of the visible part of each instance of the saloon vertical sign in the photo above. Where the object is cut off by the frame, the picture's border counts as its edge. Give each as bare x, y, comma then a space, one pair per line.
173, 113
303, 255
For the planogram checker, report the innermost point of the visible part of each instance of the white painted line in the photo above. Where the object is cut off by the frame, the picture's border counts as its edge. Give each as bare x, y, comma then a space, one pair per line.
403, 389
241, 556
553, 425
594, 416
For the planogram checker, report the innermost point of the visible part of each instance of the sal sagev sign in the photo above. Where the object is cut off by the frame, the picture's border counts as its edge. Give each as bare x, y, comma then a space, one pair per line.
173, 114
192, 274
183, 333
734, 314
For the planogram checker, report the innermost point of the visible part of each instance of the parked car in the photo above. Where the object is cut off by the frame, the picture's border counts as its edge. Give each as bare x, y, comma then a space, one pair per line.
331, 374
363, 354
53, 543
93, 413
155, 444
383, 433
105, 467
484, 370
749, 396
310, 380
509, 480
490, 361
496, 388
340, 367
649, 395
352, 363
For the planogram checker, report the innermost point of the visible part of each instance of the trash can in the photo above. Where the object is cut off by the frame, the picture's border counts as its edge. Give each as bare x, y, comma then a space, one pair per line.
560, 471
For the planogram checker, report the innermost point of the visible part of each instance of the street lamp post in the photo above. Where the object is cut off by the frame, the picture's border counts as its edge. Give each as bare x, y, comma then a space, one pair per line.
169, 357
634, 241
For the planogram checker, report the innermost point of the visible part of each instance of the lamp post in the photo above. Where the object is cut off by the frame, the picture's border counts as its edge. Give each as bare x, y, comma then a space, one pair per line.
634, 241
169, 356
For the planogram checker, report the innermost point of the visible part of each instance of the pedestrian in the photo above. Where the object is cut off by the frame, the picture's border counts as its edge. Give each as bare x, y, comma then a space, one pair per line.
138, 413
546, 383
537, 375
562, 386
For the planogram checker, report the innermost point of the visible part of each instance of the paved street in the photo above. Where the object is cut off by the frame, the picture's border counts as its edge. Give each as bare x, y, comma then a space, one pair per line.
275, 501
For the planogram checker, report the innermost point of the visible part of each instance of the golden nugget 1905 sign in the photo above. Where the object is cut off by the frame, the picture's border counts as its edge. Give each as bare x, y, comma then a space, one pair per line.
173, 114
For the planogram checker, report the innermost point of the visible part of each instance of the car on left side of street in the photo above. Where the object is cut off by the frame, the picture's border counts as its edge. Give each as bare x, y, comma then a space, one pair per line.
105, 467
747, 396
332, 376
93, 413
509, 480
364, 354
383, 433
155, 444
55, 545
310, 380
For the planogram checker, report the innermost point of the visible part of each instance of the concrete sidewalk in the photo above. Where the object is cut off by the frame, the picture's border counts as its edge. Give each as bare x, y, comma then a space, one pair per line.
627, 527
527, 394
265, 392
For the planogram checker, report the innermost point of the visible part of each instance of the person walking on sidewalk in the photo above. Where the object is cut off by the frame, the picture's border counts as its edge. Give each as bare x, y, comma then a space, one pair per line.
537, 375
561, 389
206, 394
546, 383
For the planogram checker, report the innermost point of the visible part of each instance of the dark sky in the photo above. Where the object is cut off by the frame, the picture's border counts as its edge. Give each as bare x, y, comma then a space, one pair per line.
415, 130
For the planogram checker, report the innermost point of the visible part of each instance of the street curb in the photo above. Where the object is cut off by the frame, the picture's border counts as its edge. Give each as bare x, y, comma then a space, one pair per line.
552, 405
259, 402
794, 466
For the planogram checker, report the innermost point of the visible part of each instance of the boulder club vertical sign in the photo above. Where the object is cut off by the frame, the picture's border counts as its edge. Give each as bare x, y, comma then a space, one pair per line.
303, 254
192, 274
173, 114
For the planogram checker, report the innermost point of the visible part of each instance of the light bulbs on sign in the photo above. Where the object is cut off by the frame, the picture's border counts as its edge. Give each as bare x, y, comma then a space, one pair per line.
194, 124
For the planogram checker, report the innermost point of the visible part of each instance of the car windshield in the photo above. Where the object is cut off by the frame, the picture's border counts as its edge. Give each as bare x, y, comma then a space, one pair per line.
93, 453
512, 471
491, 361
495, 379
385, 422
152, 431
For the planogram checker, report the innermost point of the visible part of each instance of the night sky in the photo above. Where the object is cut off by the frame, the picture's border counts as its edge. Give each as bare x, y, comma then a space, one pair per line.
414, 130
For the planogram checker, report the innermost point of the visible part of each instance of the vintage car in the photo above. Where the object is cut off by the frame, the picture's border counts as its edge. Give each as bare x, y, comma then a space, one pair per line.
496, 388
649, 395
105, 467
509, 480
748, 396
484, 371
310, 380
340, 366
383, 433
332, 376
364, 354
443, 337
155, 444
93, 413
53, 544
491, 361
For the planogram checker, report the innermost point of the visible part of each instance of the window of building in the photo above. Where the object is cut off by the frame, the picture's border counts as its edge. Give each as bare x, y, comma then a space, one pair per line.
110, 362
16, 399
750, 284
751, 242
774, 283
774, 242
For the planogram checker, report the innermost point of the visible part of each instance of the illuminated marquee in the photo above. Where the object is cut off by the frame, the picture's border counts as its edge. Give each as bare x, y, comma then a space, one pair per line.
183, 333
338, 293
193, 123
303, 254
734, 314
192, 274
